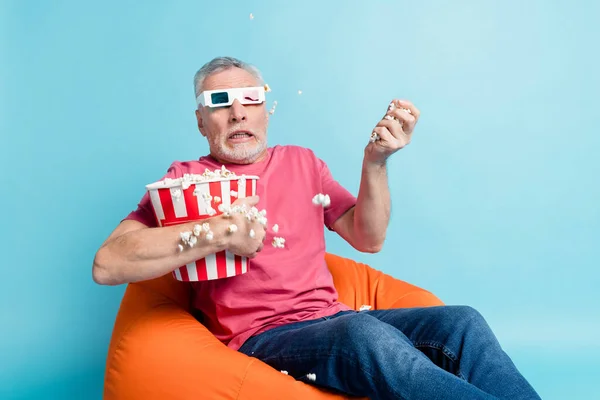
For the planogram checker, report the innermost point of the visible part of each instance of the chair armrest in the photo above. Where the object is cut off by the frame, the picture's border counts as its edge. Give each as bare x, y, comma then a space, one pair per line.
395, 293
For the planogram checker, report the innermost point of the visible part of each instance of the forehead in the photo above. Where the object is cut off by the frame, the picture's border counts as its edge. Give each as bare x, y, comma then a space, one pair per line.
229, 78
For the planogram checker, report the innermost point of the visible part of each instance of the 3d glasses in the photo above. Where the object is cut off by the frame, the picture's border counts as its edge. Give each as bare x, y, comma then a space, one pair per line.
225, 97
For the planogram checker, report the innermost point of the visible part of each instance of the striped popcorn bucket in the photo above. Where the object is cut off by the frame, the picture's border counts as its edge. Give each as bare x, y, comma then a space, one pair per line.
175, 203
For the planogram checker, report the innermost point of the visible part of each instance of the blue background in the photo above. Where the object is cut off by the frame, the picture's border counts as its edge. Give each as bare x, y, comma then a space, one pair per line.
495, 202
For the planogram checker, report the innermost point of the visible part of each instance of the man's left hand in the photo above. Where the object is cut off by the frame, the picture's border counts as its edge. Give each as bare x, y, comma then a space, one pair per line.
393, 134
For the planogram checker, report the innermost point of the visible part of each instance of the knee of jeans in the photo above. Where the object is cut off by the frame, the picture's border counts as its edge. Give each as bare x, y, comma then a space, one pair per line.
466, 316
360, 330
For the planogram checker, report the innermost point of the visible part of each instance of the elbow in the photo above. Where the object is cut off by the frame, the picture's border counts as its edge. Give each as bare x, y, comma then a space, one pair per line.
100, 273
372, 249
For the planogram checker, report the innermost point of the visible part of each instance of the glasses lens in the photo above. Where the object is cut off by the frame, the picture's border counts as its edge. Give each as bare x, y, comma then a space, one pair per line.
250, 96
219, 98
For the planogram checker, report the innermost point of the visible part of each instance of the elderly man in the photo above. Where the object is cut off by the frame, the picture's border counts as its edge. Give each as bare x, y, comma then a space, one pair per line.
285, 310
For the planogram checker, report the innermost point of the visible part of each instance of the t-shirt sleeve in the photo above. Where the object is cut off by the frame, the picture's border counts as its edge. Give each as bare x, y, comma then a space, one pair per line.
341, 199
144, 212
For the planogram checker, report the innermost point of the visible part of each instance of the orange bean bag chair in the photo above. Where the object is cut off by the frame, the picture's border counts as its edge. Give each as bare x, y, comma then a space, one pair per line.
158, 350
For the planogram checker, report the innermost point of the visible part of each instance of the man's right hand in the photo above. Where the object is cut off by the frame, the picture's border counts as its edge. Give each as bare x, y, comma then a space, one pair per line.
240, 242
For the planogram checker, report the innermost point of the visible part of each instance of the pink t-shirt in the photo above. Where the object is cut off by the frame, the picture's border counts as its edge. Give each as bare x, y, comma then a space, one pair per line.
282, 285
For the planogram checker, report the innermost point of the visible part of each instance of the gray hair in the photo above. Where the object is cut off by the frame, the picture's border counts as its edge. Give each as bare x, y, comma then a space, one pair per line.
220, 64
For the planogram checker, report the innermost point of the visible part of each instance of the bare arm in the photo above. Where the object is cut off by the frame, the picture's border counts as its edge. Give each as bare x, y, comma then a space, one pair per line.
135, 252
364, 226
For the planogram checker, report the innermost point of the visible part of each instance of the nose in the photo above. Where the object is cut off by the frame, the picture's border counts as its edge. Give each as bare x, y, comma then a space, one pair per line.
237, 112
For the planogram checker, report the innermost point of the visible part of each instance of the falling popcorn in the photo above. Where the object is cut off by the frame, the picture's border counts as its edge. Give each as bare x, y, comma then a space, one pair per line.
278, 242
299, 91
311, 377
251, 16
267, 88
321, 199
272, 110
232, 228
364, 307
275, 228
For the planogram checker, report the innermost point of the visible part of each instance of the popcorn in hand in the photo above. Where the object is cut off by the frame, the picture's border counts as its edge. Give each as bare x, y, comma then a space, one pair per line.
209, 235
252, 233
232, 228
321, 199
374, 137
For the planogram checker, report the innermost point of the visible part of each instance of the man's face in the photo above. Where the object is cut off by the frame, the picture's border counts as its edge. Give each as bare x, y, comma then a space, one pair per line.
238, 133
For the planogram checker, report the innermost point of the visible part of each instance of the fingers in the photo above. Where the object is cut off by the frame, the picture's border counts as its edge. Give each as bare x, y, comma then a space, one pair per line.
384, 134
393, 128
407, 104
407, 120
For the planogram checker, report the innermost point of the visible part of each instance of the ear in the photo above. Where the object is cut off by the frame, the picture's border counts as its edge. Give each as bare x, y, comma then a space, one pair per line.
200, 122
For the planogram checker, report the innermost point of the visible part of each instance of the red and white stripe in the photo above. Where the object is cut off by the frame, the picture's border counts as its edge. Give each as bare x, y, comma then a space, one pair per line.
170, 209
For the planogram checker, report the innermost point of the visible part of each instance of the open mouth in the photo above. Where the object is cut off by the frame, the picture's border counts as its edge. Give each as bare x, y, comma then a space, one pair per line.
240, 135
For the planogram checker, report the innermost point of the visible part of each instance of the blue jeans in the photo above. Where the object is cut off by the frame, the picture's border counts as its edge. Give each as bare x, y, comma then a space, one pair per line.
429, 353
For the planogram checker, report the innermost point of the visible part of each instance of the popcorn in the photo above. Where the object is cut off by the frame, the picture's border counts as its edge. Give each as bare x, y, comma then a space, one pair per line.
299, 91
206, 196
284, 372
251, 16
193, 241
321, 199
188, 179
267, 88
197, 229
311, 377
209, 235
211, 211
176, 193
180, 247
252, 233
217, 199
205, 227
278, 242
272, 111
232, 228
185, 236
364, 307
234, 193
374, 137
275, 228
